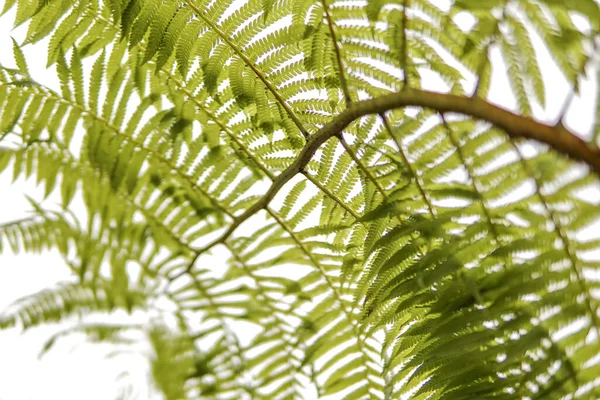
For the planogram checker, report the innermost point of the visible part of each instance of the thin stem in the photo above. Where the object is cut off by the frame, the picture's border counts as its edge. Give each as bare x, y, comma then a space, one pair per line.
290, 347
245, 148
473, 180
362, 166
338, 53
349, 316
240, 53
221, 125
593, 311
405, 57
411, 171
515, 126
324, 189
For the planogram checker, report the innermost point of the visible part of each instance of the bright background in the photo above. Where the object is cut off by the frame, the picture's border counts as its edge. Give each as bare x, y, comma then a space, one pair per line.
74, 369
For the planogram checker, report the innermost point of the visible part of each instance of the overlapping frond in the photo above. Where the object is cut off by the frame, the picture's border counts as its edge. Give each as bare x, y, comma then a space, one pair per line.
432, 256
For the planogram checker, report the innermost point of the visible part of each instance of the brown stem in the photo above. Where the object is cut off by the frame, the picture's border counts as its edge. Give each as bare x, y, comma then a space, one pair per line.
557, 137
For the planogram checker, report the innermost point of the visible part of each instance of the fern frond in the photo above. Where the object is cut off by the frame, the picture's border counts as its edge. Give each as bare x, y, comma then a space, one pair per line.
375, 243
52, 305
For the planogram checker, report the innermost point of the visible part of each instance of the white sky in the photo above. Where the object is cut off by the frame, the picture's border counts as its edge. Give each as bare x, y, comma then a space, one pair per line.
75, 370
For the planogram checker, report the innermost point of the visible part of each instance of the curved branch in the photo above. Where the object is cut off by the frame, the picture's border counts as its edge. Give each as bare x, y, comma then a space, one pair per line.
516, 126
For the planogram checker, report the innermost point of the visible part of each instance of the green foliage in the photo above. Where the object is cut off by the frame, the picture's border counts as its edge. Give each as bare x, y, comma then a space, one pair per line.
416, 255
